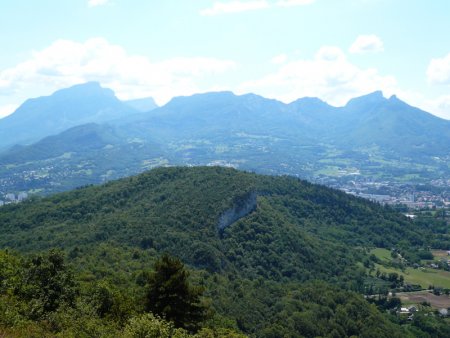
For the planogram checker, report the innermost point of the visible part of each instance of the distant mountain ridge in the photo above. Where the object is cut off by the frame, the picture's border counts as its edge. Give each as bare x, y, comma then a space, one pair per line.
395, 125
365, 122
66, 108
371, 136
80, 138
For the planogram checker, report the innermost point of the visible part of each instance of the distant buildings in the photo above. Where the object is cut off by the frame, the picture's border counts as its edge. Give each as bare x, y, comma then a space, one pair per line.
434, 194
12, 198
22, 196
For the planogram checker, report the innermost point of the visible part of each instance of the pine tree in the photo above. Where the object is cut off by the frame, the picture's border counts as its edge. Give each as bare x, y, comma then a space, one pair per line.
170, 295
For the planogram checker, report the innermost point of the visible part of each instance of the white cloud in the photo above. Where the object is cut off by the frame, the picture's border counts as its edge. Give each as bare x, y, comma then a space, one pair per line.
329, 75
279, 59
330, 53
7, 109
66, 62
438, 71
95, 3
442, 105
366, 44
439, 106
236, 6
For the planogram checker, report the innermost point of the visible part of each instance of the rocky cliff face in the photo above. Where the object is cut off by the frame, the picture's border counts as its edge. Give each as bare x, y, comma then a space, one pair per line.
241, 208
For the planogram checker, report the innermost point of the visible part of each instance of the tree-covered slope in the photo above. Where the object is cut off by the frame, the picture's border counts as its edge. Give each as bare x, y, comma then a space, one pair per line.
297, 229
83, 139
41, 297
87, 154
252, 259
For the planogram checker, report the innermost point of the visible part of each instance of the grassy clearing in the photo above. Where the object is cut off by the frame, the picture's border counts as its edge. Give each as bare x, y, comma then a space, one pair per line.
382, 254
329, 171
422, 276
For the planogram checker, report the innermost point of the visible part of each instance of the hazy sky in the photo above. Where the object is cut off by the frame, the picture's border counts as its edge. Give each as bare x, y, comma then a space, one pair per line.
284, 49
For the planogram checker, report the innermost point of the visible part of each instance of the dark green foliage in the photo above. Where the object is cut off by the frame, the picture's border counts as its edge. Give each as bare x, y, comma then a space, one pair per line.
170, 295
298, 230
251, 270
9, 271
46, 283
431, 325
317, 309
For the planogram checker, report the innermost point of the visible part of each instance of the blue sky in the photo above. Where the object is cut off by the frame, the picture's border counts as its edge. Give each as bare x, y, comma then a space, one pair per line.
283, 49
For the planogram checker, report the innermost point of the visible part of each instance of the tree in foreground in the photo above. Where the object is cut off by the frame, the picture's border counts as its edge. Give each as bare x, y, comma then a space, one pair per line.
170, 295
47, 283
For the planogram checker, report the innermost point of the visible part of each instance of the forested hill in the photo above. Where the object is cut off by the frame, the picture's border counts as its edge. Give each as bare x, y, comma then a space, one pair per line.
251, 240
297, 230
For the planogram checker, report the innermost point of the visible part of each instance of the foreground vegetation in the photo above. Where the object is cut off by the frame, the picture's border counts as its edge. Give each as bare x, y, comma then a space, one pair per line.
40, 297
292, 266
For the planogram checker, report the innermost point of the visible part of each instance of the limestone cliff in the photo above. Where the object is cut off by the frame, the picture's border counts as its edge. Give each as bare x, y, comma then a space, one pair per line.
241, 208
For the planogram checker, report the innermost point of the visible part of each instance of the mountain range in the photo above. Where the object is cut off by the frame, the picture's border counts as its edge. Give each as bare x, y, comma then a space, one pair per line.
66, 108
371, 136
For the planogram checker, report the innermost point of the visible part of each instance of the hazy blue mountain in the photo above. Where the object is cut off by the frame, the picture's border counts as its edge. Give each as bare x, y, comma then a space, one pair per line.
394, 126
222, 117
318, 119
371, 136
66, 108
142, 105
307, 137
85, 154
83, 138
218, 111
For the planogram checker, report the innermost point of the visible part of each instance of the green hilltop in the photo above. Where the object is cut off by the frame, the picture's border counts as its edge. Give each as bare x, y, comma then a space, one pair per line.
296, 227
252, 241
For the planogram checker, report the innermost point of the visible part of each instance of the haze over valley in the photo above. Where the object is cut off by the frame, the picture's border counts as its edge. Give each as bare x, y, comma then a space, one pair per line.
373, 145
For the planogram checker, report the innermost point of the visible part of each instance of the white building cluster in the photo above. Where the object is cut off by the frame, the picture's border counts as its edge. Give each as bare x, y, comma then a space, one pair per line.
13, 198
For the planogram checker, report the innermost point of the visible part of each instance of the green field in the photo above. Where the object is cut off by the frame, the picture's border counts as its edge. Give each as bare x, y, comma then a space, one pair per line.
383, 255
422, 276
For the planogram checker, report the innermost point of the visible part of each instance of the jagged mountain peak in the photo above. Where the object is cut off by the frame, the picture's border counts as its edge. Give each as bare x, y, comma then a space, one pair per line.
373, 98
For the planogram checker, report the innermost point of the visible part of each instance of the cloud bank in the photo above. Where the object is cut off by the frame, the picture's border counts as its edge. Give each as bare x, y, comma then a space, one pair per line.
438, 71
329, 75
67, 62
366, 44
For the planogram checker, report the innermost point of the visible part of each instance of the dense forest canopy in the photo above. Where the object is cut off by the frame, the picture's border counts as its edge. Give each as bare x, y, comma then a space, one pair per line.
253, 270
